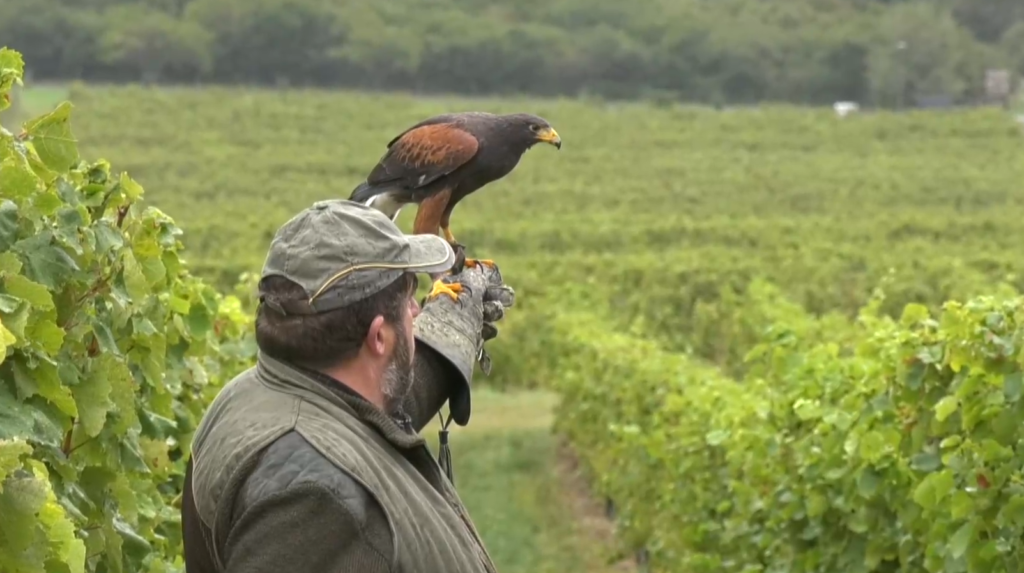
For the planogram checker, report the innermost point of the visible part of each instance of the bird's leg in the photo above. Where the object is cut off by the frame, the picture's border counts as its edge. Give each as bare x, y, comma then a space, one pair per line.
448, 234
460, 250
460, 259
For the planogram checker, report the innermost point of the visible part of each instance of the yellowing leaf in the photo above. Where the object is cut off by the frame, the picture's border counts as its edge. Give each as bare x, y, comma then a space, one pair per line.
7, 338
132, 190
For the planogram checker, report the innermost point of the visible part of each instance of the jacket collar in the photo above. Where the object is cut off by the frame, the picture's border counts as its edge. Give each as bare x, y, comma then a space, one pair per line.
396, 429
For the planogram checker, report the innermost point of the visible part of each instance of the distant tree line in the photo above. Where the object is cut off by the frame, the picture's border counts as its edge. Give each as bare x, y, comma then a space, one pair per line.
878, 52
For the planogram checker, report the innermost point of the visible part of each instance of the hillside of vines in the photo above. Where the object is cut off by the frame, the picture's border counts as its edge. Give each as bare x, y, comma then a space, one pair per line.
660, 214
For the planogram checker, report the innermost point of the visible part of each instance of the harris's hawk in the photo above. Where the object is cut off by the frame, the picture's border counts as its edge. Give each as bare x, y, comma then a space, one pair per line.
440, 160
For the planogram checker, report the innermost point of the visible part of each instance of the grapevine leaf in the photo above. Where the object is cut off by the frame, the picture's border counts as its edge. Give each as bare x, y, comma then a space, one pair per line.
17, 320
961, 539
44, 331
47, 203
61, 533
1012, 513
926, 462
23, 496
69, 220
945, 407
1012, 385
9, 263
24, 288
9, 304
11, 452
131, 456
36, 423
122, 393
92, 397
951, 442
107, 238
16, 180
132, 190
914, 313
12, 66
135, 546
45, 263
961, 505
8, 222
154, 270
716, 437
126, 498
45, 381
105, 337
134, 280
7, 339
933, 488
67, 192
52, 138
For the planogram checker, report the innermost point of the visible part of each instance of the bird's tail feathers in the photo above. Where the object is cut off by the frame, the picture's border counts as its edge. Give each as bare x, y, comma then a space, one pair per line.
363, 192
379, 198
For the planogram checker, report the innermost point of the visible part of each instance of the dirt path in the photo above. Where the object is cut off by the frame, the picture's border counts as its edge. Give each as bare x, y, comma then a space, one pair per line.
589, 510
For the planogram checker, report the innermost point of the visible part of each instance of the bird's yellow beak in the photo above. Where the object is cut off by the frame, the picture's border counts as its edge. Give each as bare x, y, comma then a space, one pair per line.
549, 135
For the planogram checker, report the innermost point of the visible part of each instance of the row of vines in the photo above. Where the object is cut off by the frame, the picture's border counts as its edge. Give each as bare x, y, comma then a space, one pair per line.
109, 353
867, 445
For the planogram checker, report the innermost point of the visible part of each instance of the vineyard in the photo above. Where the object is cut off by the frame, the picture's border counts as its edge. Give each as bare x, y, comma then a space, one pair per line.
784, 341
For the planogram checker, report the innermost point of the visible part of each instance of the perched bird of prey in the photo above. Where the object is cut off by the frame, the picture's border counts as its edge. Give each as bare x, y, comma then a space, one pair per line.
440, 160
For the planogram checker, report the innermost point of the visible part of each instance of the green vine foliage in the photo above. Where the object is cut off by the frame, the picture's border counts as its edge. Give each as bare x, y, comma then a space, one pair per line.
867, 445
109, 352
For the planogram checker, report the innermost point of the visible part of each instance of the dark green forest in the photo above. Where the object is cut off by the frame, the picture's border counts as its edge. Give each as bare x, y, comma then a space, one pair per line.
733, 52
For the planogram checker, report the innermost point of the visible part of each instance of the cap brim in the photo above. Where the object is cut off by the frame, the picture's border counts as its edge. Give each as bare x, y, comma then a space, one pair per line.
429, 254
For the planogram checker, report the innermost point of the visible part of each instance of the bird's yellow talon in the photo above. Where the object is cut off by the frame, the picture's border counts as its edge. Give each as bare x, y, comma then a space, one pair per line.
440, 288
475, 262
448, 235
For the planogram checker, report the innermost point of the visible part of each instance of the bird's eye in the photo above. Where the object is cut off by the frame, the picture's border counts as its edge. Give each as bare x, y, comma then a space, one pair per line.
534, 127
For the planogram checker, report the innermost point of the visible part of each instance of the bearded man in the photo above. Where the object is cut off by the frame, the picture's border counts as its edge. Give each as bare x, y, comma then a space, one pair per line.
311, 460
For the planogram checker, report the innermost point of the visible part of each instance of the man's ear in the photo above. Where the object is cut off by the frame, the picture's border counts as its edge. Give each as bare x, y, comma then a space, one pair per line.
376, 337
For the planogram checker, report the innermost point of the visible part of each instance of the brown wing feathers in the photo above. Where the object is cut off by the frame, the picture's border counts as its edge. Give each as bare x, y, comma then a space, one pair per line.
423, 154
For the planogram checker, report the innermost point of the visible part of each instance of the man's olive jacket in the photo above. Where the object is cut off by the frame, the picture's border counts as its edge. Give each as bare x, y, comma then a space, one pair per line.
293, 472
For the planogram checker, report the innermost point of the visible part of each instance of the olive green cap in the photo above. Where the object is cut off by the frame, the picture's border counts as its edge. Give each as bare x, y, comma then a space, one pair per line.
340, 252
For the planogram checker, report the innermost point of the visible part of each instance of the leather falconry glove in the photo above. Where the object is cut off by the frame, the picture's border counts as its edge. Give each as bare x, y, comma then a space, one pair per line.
458, 329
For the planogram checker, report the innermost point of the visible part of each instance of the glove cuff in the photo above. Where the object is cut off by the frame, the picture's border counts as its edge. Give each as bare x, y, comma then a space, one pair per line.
458, 350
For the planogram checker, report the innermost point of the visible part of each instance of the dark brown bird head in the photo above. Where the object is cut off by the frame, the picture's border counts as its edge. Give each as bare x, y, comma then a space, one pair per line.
529, 130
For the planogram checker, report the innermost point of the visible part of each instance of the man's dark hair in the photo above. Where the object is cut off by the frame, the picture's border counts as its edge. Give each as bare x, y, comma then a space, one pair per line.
329, 338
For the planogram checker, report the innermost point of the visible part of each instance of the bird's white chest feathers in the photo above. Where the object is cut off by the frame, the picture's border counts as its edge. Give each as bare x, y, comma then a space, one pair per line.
387, 204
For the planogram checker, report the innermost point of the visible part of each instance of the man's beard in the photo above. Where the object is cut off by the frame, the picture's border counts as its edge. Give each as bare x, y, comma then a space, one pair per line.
398, 376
